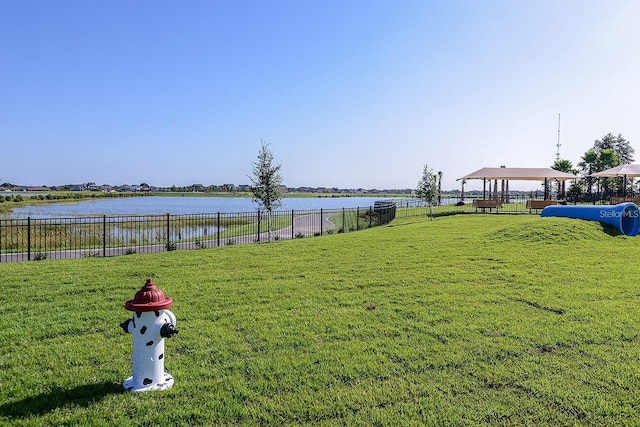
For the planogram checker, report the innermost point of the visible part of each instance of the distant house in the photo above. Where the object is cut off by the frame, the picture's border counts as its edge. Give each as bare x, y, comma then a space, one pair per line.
85, 187
28, 188
230, 188
144, 187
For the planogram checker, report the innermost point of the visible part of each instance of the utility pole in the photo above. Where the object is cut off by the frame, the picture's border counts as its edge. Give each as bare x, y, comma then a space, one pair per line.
558, 144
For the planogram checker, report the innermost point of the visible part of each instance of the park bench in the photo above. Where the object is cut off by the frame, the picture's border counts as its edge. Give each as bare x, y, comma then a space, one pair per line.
487, 204
540, 204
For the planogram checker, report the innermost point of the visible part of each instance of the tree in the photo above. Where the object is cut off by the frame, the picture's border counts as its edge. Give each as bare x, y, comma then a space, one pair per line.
608, 158
596, 160
562, 166
427, 188
266, 181
464, 181
587, 166
618, 144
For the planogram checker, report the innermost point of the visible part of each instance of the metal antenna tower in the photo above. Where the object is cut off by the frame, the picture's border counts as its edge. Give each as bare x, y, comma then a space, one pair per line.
558, 144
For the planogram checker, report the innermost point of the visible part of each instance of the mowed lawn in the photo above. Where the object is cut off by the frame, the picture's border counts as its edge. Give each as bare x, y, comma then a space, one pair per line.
463, 320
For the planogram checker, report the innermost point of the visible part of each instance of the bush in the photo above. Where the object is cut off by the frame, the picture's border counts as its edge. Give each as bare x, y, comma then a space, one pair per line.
40, 256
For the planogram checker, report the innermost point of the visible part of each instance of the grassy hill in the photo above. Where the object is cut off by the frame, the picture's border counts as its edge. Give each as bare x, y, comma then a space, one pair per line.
464, 320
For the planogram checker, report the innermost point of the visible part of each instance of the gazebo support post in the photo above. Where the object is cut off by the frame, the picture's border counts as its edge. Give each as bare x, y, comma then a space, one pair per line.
546, 189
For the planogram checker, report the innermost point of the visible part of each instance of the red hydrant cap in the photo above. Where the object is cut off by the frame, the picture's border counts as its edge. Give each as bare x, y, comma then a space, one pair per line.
149, 298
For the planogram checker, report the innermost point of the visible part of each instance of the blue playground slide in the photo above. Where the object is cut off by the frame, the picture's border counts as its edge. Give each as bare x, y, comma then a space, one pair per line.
624, 216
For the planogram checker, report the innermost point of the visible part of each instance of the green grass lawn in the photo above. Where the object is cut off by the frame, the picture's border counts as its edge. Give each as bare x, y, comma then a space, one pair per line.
463, 320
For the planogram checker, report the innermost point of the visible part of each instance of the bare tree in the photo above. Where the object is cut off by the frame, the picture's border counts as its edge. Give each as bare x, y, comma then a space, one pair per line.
266, 179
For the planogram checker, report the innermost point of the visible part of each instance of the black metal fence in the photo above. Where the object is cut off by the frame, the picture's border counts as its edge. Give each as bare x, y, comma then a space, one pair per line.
104, 236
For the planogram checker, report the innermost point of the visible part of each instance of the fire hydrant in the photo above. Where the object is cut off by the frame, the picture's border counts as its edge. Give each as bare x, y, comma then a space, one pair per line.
150, 325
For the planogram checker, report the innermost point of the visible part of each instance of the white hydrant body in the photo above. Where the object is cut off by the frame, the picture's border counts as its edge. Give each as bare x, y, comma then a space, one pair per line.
150, 325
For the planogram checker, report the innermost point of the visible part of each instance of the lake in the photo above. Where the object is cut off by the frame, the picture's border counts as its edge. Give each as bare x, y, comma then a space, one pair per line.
177, 205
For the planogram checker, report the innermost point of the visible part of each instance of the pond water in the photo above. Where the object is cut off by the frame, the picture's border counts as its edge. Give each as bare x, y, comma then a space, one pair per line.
176, 205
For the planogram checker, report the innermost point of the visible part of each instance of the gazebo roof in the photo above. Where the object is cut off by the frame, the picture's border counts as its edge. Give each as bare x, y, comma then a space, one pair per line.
621, 170
520, 174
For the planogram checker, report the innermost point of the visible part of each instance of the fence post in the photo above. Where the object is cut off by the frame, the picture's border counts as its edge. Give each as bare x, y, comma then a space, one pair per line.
321, 222
292, 213
344, 221
258, 225
357, 218
104, 236
28, 238
218, 229
370, 215
168, 231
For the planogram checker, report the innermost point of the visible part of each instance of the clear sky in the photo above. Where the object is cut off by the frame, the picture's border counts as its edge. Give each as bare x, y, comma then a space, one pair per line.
348, 93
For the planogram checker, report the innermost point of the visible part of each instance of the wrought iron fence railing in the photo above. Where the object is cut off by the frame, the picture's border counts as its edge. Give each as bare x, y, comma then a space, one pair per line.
104, 236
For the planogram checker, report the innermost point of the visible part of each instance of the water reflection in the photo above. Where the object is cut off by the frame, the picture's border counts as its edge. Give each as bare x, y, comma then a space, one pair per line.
158, 205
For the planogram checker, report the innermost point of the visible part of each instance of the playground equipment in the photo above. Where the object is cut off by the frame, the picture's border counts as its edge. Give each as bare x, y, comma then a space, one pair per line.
625, 216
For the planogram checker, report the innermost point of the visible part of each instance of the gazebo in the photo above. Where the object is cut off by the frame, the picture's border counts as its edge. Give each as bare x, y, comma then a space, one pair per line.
628, 170
519, 174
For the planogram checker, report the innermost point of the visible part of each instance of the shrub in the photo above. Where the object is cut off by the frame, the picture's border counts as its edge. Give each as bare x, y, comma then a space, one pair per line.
40, 256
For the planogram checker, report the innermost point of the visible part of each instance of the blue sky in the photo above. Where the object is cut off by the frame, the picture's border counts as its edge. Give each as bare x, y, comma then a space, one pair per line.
347, 93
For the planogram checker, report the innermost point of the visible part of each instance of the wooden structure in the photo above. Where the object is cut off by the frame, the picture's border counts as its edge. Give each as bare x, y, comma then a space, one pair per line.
487, 204
540, 204
518, 174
